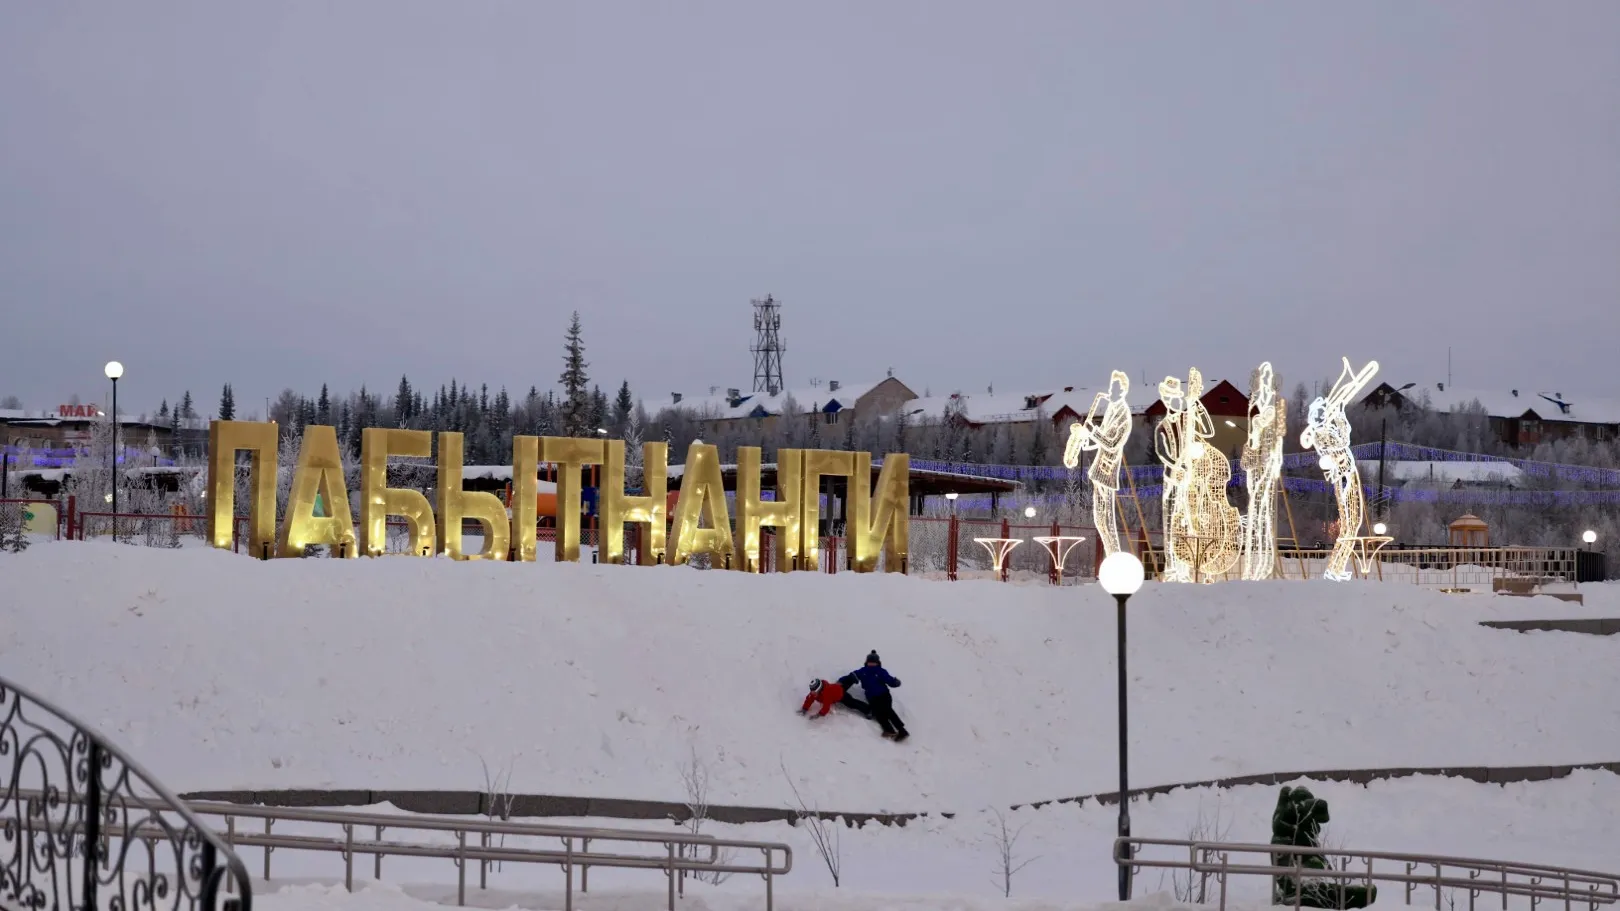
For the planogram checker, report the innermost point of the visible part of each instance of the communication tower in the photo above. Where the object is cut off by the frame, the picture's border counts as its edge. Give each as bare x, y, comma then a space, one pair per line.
768, 346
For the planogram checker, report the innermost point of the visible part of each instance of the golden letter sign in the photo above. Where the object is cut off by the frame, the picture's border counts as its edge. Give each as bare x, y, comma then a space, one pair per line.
702, 523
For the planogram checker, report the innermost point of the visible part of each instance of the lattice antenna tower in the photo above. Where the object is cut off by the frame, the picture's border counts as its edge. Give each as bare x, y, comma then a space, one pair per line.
768, 346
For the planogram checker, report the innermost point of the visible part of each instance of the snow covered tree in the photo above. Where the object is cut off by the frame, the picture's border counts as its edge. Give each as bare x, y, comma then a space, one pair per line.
576, 402
11, 403
632, 448
227, 404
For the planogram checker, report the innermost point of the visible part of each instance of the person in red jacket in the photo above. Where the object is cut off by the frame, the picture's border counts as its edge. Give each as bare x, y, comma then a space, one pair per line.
830, 694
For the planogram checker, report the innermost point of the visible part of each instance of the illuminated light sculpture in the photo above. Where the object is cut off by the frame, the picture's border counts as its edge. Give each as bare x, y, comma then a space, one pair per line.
1328, 432
457, 505
378, 501
1107, 439
225, 440
1262, 462
818, 464
319, 474
1168, 444
525, 488
754, 512
570, 455
703, 497
647, 512
1000, 549
1203, 530
879, 521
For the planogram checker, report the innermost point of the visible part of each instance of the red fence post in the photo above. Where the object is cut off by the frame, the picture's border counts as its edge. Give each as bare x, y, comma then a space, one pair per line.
1057, 549
950, 548
1006, 532
72, 516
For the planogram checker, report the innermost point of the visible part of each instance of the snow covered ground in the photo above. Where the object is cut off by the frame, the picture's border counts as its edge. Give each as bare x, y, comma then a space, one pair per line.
224, 672
952, 863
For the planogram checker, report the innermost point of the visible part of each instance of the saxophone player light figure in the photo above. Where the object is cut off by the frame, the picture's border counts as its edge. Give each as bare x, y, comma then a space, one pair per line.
1108, 440
1170, 444
1262, 465
1328, 432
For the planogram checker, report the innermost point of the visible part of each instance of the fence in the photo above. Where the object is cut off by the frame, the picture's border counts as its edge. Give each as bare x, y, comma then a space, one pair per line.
488, 842
84, 826
13, 510
1285, 865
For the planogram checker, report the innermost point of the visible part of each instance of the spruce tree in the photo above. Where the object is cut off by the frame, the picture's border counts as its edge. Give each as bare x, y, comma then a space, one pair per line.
185, 406
323, 408
163, 409
622, 406
227, 404
402, 402
575, 382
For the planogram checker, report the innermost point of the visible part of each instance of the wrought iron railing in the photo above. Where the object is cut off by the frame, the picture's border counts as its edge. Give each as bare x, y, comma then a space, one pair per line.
84, 827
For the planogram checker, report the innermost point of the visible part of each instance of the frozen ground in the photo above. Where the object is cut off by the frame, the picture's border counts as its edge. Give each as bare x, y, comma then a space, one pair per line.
225, 672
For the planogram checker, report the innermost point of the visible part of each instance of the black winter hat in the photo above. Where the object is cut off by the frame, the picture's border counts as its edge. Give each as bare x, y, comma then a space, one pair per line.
872, 657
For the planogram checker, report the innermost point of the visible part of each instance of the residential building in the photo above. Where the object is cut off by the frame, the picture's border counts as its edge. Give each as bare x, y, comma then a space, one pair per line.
1518, 416
833, 403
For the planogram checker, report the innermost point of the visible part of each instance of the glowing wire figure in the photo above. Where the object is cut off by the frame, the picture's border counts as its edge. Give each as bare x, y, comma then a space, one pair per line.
1262, 462
1108, 440
1328, 432
1203, 530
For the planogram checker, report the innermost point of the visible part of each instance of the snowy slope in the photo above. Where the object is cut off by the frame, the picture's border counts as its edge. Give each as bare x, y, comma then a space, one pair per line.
224, 672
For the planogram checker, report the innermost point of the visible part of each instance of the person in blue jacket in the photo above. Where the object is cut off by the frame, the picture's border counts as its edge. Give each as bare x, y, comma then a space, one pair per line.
875, 683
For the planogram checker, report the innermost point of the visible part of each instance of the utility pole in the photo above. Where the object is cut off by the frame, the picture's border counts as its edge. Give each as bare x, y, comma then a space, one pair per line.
1383, 444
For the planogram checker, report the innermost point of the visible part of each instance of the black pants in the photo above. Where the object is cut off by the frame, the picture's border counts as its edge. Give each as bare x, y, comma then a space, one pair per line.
883, 713
856, 706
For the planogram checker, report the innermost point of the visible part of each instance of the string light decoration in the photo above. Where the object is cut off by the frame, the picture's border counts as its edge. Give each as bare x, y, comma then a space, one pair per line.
1203, 530
1327, 431
1262, 465
1107, 439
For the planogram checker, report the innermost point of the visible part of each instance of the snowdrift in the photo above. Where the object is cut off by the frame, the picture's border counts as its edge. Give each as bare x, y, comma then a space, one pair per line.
219, 672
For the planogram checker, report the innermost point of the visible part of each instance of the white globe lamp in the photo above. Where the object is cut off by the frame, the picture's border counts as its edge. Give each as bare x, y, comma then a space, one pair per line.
1589, 536
1029, 512
1380, 528
1120, 574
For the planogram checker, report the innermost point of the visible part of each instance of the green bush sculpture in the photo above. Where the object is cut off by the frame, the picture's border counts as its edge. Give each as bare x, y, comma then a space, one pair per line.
1297, 822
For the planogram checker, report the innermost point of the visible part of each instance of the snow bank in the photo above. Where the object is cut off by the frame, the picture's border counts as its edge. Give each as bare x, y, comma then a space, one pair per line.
223, 672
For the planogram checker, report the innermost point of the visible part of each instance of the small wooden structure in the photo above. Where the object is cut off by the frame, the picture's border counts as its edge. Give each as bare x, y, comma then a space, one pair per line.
1469, 530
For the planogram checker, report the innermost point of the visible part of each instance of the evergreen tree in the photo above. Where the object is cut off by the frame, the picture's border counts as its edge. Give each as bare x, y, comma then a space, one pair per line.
185, 406
575, 381
163, 409
306, 412
599, 411
622, 407
323, 408
402, 402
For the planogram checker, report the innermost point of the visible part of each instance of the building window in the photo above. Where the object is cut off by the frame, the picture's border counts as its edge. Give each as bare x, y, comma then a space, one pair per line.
830, 417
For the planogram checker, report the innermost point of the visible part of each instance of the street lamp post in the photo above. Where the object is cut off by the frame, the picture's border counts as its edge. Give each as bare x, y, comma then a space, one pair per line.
1590, 537
1121, 576
114, 370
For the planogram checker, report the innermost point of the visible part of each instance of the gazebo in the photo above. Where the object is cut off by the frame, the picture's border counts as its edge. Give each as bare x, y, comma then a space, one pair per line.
1469, 530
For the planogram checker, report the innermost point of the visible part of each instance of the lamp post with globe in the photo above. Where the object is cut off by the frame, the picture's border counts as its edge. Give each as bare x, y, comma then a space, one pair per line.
114, 370
1121, 576
1589, 537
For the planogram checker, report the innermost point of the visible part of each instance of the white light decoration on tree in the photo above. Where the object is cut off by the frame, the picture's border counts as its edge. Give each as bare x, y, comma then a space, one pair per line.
1262, 462
1202, 529
1328, 432
1107, 439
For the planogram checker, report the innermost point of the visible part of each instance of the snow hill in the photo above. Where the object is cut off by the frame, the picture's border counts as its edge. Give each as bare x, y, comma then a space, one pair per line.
219, 671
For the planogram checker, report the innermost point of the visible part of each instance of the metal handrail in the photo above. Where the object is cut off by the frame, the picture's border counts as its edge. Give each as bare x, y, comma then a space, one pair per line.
66, 843
474, 842
1545, 882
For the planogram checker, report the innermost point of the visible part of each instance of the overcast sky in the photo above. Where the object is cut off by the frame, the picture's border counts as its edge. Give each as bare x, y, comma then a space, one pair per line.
1019, 193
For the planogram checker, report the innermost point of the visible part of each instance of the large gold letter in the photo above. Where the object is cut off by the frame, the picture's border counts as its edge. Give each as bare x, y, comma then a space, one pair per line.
619, 509
570, 455
703, 495
525, 474
225, 440
820, 463
456, 505
886, 530
378, 501
320, 471
782, 514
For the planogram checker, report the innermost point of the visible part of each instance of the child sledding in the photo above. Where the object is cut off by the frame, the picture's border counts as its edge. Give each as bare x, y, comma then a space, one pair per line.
875, 683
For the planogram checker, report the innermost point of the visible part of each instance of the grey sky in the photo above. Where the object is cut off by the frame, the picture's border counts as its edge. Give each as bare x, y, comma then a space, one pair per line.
1021, 193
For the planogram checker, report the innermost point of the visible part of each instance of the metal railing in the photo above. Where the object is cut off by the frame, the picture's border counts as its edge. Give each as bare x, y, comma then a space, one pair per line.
488, 842
1476, 877
83, 826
